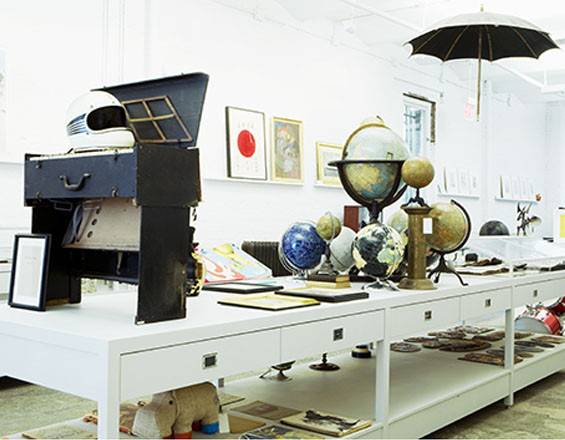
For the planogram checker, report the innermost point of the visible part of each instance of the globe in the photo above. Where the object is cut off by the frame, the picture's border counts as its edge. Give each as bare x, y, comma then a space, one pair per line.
373, 140
340, 250
301, 248
328, 227
494, 227
418, 172
377, 250
450, 227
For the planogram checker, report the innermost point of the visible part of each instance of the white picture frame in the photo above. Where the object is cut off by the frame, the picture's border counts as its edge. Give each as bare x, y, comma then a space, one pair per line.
474, 183
516, 190
28, 280
531, 191
524, 189
463, 181
506, 187
246, 144
450, 179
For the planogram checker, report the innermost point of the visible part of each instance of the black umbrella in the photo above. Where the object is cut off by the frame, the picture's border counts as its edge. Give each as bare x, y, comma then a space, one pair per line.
482, 35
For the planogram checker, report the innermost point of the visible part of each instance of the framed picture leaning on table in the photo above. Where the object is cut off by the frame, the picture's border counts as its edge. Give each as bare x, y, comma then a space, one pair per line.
286, 150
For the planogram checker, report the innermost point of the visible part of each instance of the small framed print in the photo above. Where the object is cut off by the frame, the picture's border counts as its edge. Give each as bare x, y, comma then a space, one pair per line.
30, 264
474, 183
516, 191
463, 180
450, 179
524, 188
506, 187
325, 154
245, 130
286, 150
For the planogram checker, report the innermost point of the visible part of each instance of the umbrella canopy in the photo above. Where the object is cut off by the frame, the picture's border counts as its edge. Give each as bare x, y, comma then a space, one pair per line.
482, 35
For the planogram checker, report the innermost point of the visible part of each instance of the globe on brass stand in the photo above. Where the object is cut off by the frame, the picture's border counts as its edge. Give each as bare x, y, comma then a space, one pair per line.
328, 227
417, 172
451, 230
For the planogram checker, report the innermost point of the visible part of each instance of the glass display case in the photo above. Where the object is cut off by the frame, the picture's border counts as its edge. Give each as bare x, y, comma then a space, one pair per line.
511, 255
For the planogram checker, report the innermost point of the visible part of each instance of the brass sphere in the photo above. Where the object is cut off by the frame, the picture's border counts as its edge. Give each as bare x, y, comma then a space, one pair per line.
418, 171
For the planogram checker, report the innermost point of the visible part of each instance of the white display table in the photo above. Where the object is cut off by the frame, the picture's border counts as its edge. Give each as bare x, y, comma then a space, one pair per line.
94, 349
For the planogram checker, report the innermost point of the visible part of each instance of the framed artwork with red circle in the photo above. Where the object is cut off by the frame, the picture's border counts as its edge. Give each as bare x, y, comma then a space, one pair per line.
245, 130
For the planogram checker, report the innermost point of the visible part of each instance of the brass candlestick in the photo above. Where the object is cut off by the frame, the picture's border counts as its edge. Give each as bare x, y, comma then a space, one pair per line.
417, 172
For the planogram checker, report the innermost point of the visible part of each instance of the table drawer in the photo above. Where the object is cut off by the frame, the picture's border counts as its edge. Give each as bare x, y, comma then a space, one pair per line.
409, 320
479, 304
150, 371
303, 340
536, 292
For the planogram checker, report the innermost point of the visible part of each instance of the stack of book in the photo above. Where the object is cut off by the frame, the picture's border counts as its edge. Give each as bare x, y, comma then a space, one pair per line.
328, 281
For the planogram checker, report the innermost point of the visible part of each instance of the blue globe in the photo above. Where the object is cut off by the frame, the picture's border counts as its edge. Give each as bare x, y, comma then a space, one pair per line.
301, 247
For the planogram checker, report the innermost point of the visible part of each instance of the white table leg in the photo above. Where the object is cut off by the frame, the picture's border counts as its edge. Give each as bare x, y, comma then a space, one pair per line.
509, 353
109, 402
382, 372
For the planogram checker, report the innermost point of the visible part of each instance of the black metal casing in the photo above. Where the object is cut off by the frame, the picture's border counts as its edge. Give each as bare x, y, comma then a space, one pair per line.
160, 173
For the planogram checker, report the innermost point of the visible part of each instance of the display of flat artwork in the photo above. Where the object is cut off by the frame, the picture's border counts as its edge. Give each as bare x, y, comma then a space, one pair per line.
326, 295
266, 410
228, 262
59, 432
239, 425
127, 416
275, 431
325, 423
241, 287
487, 359
465, 345
269, 302
404, 347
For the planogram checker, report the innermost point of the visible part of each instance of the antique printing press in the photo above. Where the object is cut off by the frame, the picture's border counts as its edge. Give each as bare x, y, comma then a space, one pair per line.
123, 214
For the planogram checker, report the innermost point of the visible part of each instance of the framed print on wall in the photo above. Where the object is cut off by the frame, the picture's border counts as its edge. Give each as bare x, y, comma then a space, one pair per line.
29, 271
245, 130
286, 150
326, 153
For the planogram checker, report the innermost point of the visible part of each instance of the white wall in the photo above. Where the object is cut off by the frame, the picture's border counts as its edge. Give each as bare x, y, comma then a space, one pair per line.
280, 68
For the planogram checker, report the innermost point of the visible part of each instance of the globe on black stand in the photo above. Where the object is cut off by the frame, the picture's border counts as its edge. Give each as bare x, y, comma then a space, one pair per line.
370, 172
451, 230
328, 227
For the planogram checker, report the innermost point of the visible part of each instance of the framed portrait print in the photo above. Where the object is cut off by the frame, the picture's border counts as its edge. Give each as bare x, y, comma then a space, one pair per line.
451, 181
463, 181
29, 271
286, 150
325, 153
246, 155
506, 187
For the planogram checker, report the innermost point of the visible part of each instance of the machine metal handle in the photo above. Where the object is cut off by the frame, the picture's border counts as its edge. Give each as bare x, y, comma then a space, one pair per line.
74, 186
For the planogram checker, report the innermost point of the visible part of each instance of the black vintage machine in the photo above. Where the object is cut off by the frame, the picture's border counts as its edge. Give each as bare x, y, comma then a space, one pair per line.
134, 203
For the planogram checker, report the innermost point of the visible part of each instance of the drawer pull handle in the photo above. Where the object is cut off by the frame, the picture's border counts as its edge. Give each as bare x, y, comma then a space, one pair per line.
209, 360
427, 315
74, 186
338, 334
535, 293
488, 302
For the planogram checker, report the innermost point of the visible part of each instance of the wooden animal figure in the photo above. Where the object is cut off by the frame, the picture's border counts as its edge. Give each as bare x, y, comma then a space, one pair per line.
171, 414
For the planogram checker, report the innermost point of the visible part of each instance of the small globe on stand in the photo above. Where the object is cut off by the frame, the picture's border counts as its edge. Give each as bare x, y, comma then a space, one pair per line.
451, 228
377, 252
418, 172
328, 227
370, 167
301, 248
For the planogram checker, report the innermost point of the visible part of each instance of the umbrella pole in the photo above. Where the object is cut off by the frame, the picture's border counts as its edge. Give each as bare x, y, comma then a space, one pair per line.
479, 78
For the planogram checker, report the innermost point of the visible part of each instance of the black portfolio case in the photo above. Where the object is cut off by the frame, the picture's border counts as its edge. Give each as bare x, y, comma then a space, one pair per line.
160, 173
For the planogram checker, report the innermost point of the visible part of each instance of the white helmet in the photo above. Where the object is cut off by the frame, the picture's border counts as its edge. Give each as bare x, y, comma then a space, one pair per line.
98, 120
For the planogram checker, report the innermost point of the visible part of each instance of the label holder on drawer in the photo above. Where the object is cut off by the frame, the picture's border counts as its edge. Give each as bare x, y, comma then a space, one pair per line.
209, 360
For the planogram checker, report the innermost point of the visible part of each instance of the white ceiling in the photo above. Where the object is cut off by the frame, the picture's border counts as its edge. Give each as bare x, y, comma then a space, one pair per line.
391, 23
